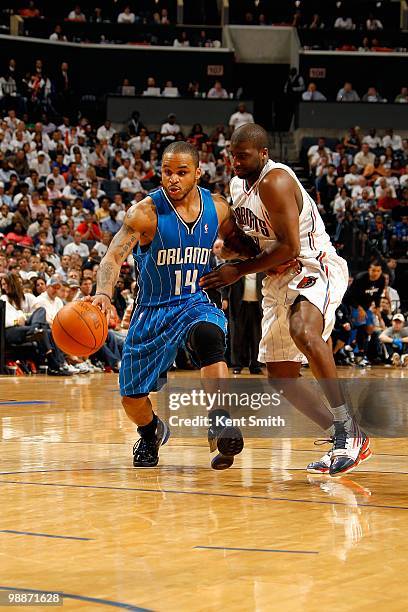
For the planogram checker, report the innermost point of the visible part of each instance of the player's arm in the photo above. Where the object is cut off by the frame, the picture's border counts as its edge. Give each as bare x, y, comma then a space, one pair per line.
236, 243
139, 223
278, 194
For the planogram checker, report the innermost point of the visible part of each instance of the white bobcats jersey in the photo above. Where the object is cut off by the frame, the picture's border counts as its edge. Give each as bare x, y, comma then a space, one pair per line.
254, 219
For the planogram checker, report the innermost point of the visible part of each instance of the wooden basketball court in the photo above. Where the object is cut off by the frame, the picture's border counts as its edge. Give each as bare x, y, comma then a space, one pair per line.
78, 519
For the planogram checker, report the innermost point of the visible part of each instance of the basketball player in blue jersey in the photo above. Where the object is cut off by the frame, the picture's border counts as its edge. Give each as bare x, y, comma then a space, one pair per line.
171, 233
299, 305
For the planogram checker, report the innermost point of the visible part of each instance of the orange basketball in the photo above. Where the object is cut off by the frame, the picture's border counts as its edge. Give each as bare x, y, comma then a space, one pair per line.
80, 328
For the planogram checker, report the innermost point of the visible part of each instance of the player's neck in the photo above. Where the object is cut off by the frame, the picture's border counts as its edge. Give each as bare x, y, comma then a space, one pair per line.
251, 179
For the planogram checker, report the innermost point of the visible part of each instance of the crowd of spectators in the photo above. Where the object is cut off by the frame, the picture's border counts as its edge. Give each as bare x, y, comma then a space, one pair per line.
346, 93
361, 186
148, 23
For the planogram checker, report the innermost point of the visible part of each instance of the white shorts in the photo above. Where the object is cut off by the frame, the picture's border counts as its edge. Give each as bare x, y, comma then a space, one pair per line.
323, 282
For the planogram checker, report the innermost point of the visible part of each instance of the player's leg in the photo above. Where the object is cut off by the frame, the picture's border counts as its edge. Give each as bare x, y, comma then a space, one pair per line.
148, 353
305, 399
306, 326
153, 431
206, 343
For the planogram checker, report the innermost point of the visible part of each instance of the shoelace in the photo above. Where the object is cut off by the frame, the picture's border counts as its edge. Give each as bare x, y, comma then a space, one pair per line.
340, 439
321, 441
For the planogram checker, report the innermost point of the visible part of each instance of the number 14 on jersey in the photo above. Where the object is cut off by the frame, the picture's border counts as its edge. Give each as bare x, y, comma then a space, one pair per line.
189, 281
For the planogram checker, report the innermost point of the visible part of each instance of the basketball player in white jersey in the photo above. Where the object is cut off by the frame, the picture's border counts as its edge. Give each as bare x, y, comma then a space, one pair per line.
299, 304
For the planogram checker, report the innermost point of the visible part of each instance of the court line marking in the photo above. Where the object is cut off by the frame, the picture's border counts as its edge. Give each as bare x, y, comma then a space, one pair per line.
25, 403
269, 550
169, 468
270, 448
203, 493
44, 535
96, 600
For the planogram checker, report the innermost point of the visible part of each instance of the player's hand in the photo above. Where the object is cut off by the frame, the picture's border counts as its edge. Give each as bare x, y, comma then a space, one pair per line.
292, 263
102, 302
224, 305
224, 275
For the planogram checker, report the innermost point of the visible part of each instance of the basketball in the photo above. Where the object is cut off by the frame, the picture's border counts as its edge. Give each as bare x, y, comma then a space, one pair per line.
80, 329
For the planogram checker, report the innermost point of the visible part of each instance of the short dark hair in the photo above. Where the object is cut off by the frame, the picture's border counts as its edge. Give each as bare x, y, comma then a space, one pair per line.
252, 133
182, 148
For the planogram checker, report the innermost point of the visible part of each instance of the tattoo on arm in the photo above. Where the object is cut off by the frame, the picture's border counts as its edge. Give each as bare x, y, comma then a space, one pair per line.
107, 278
109, 268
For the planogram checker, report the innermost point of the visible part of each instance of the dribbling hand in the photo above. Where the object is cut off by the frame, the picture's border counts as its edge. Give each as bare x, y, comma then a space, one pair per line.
102, 302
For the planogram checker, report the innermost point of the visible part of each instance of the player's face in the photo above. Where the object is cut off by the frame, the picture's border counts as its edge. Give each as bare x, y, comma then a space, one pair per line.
179, 175
248, 161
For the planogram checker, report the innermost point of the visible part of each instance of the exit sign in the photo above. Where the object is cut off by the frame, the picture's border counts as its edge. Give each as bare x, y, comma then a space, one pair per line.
317, 73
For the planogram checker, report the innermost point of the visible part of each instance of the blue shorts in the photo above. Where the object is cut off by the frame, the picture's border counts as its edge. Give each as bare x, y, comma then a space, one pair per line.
155, 335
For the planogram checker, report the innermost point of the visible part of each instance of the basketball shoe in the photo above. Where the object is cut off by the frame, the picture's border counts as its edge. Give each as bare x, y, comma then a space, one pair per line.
146, 450
228, 441
351, 447
322, 465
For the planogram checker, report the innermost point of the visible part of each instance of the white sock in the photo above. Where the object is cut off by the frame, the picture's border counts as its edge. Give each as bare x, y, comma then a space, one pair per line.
341, 413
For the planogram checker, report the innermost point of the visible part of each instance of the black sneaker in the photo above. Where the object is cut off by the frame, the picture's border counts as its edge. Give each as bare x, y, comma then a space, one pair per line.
228, 441
146, 451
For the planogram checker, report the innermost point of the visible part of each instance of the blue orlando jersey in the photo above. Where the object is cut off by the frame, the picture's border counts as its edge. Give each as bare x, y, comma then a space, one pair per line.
171, 266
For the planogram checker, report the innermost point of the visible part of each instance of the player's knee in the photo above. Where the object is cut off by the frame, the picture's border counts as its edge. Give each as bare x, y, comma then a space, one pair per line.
305, 339
133, 405
283, 369
206, 342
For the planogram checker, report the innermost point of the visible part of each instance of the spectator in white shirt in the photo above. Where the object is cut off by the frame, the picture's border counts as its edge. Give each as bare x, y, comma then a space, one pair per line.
170, 129
383, 188
321, 145
77, 246
41, 165
364, 157
58, 35
102, 247
170, 91
105, 132
140, 143
312, 94
151, 88
181, 40
130, 184
392, 140
76, 14
344, 23
122, 171
352, 177
347, 94
50, 300
339, 204
373, 24
126, 16
361, 186
241, 117
372, 139
217, 91
404, 178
